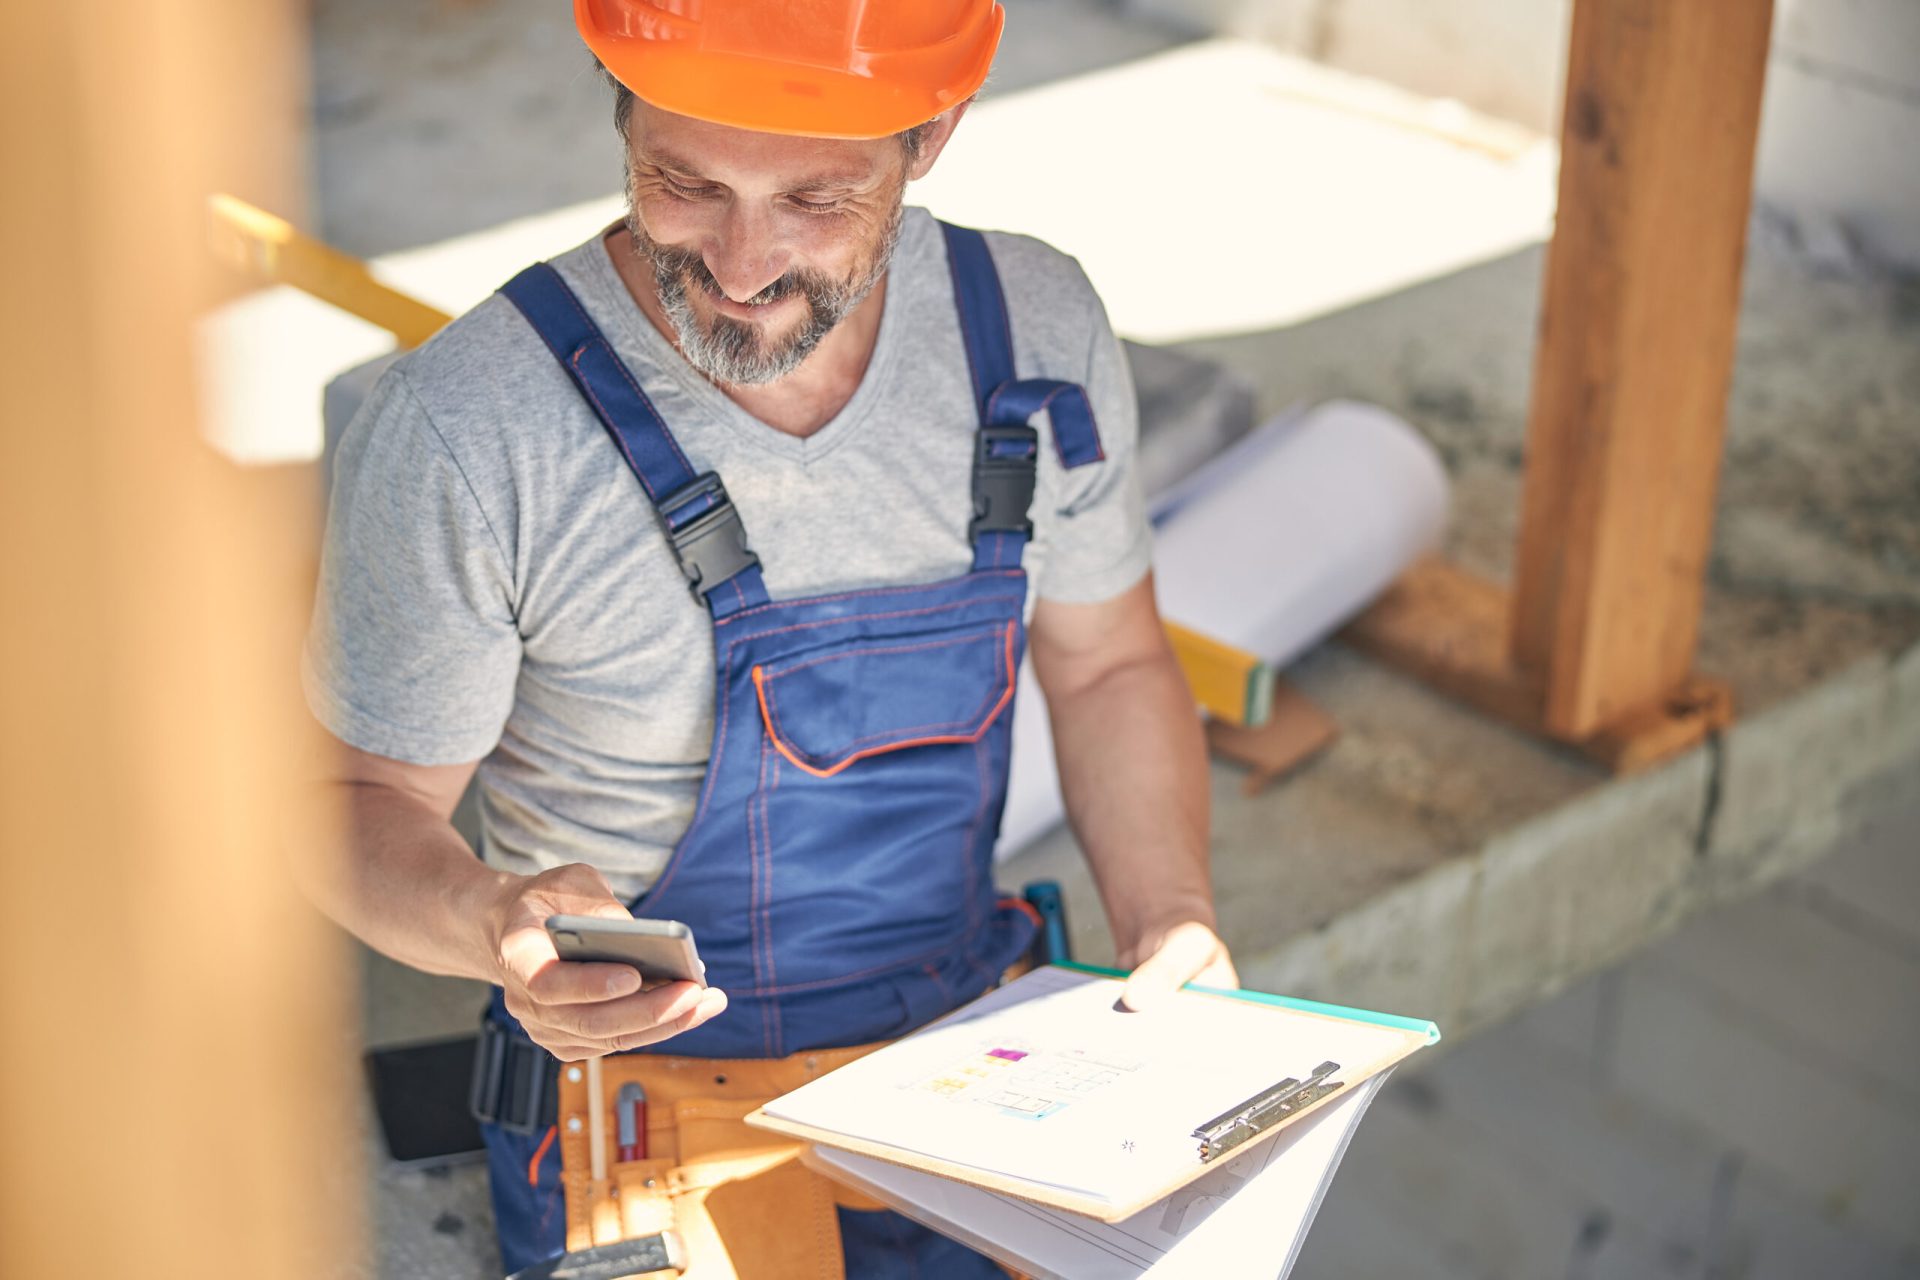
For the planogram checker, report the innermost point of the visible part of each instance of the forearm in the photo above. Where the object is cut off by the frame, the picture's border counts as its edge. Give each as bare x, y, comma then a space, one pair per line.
1133, 770
403, 881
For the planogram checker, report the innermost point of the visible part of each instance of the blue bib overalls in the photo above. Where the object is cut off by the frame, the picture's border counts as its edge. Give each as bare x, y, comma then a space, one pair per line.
838, 869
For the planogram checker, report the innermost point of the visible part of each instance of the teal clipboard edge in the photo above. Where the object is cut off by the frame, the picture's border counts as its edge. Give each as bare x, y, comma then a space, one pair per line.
1418, 1026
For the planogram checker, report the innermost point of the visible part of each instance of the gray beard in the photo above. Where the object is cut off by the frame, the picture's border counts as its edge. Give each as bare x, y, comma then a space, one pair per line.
733, 352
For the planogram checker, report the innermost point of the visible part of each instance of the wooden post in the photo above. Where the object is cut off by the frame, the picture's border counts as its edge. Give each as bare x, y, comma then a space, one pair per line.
178, 1047
1594, 645
1636, 351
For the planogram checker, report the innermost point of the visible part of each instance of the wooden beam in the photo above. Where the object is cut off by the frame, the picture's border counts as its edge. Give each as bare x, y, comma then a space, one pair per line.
1449, 628
1636, 350
176, 1092
1296, 730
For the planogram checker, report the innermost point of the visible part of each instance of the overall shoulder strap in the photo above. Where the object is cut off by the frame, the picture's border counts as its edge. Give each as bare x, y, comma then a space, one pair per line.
701, 522
1006, 453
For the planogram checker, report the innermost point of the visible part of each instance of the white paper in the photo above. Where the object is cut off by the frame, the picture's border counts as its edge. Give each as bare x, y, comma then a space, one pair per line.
1049, 1082
1271, 546
1246, 1219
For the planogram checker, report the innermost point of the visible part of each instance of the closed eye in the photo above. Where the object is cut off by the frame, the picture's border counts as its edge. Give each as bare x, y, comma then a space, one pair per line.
686, 190
813, 206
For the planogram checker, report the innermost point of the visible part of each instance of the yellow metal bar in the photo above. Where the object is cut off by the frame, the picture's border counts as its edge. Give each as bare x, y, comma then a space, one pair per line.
254, 239
1233, 685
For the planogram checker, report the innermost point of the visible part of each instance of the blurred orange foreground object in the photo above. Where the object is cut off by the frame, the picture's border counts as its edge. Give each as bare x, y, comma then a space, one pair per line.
822, 68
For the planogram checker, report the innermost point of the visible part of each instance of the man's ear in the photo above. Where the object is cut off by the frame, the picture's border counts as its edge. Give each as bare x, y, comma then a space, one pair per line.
939, 129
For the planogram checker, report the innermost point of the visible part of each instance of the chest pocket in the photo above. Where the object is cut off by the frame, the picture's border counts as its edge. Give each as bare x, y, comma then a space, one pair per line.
825, 712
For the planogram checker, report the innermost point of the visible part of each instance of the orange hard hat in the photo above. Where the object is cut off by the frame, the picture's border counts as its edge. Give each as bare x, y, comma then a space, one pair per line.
824, 68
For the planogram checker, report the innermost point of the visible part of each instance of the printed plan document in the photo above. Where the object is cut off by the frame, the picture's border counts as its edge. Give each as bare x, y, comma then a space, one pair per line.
1048, 1091
1245, 1219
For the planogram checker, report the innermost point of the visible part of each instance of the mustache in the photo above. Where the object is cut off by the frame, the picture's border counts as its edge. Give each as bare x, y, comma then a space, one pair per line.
689, 266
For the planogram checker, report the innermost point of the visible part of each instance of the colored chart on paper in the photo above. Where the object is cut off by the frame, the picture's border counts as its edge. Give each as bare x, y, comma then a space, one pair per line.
1019, 1080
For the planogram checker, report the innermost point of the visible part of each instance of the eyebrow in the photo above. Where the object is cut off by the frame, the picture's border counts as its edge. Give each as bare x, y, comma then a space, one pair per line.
818, 183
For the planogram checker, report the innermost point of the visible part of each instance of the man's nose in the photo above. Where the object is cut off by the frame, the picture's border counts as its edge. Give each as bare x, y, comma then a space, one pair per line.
745, 254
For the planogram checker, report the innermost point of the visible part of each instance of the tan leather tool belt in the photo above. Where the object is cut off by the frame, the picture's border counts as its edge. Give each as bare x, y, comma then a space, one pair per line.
740, 1201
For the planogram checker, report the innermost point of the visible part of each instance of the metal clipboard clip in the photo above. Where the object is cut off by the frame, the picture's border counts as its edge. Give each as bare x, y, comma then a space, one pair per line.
1265, 1110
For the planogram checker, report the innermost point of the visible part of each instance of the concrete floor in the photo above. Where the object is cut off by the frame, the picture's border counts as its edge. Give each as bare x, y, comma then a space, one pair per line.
1548, 1147
1734, 1102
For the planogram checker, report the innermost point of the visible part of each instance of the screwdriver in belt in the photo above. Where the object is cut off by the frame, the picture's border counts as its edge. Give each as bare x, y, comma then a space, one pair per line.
630, 1122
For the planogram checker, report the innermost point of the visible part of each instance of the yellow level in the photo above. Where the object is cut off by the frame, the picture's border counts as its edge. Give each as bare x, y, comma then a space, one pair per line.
279, 251
1232, 684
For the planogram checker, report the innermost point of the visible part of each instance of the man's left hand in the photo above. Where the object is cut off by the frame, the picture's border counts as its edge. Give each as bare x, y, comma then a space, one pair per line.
1173, 956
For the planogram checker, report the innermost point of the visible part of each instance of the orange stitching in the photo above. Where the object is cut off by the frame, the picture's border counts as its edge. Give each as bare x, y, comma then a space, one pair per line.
1021, 904
760, 687
533, 1165
968, 719
771, 701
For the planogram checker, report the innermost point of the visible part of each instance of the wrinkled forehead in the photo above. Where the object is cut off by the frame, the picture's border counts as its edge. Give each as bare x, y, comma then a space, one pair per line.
750, 159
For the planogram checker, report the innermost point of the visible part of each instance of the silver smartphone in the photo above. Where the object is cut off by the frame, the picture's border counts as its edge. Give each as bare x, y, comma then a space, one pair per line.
662, 950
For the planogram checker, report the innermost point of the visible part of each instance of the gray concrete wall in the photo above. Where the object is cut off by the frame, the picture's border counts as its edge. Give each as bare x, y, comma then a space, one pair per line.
1478, 938
1837, 141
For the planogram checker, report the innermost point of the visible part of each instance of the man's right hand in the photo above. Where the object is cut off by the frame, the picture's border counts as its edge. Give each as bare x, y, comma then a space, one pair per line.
574, 1009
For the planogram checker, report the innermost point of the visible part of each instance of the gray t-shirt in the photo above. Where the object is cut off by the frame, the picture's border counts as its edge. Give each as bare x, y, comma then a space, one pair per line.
495, 586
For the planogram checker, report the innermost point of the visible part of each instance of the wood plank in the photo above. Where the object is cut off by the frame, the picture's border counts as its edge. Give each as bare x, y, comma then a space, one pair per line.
1297, 730
1643, 738
176, 1100
1636, 351
1449, 628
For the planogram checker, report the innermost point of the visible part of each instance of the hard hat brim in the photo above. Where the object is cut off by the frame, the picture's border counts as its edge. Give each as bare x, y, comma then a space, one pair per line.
746, 92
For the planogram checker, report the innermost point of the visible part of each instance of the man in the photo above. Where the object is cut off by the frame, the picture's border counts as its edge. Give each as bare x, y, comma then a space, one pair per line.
777, 385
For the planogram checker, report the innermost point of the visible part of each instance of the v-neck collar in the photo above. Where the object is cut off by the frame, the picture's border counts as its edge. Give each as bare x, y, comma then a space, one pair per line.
901, 296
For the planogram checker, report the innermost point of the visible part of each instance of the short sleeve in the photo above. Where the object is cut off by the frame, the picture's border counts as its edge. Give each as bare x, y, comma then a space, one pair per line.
413, 651
1100, 544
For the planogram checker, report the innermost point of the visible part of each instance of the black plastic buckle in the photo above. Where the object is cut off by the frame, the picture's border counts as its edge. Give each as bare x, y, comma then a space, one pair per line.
1005, 460
514, 1085
712, 546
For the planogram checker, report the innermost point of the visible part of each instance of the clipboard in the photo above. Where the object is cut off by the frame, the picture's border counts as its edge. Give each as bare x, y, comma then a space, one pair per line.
1255, 1079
